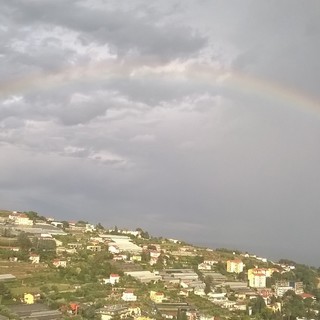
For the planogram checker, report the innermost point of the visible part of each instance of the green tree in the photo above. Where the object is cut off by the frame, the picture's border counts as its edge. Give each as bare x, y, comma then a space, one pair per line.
5, 293
24, 242
258, 305
160, 263
44, 244
65, 224
81, 222
293, 305
99, 226
208, 280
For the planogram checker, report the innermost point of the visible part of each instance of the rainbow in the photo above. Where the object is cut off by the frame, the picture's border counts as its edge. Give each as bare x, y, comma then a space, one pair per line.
137, 69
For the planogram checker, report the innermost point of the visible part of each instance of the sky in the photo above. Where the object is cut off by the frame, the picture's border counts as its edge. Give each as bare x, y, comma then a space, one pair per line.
195, 120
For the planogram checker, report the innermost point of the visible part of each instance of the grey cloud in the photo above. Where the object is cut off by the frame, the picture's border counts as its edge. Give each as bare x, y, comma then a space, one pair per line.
99, 122
280, 44
125, 31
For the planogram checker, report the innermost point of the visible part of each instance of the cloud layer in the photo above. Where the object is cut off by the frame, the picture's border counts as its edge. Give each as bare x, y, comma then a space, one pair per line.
170, 116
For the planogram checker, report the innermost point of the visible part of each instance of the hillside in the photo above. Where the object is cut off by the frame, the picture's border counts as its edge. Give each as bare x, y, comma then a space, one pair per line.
66, 264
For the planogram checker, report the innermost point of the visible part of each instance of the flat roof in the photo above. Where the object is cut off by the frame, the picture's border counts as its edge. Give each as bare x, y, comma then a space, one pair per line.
7, 276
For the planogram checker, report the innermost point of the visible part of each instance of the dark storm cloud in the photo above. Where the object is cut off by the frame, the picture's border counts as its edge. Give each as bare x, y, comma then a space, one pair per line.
283, 45
126, 113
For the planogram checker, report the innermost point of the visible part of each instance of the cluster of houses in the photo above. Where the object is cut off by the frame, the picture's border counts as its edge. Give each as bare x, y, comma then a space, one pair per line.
188, 281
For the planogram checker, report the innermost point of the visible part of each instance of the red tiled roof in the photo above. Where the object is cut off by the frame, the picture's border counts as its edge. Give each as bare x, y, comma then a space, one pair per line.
235, 261
306, 295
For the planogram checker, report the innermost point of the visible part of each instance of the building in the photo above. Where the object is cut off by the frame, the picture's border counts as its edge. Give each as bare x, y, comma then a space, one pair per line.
199, 291
217, 297
128, 296
257, 276
59, 263
177, 275
7, 277
154, 255
258, 280
22, 219
172, 310
113, 279
90, 227
74, 245
35, 258
210, 262
113, 248
283, 286
35, 311
235, 266
217, 277
28, 298
57, 224
94, 248
143, 276
204, 266
136, 257
114, 311
281, 290
58, 243
121, 243
156, 297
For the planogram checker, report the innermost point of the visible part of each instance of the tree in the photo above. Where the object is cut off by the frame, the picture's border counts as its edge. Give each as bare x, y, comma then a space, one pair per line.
65, 224
4, 291
143, 234
208, 280
258, 305
32, 215
24, 242
182, 315
160, 263
99, 226
89, 312
81, 222
293, 306
145, 256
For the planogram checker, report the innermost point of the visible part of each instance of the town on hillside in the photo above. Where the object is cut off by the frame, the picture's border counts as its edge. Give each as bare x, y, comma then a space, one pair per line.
52, 269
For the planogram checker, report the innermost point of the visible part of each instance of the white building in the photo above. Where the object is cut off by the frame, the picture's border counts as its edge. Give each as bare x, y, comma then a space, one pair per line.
204, 266
217, 297
57, 224
23, 219
281, 290
128, 296
235, 266
210, 262
113, 248
258, 280
94, 248
113, 279
199, 291
35, 258
143, 276
60, 263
